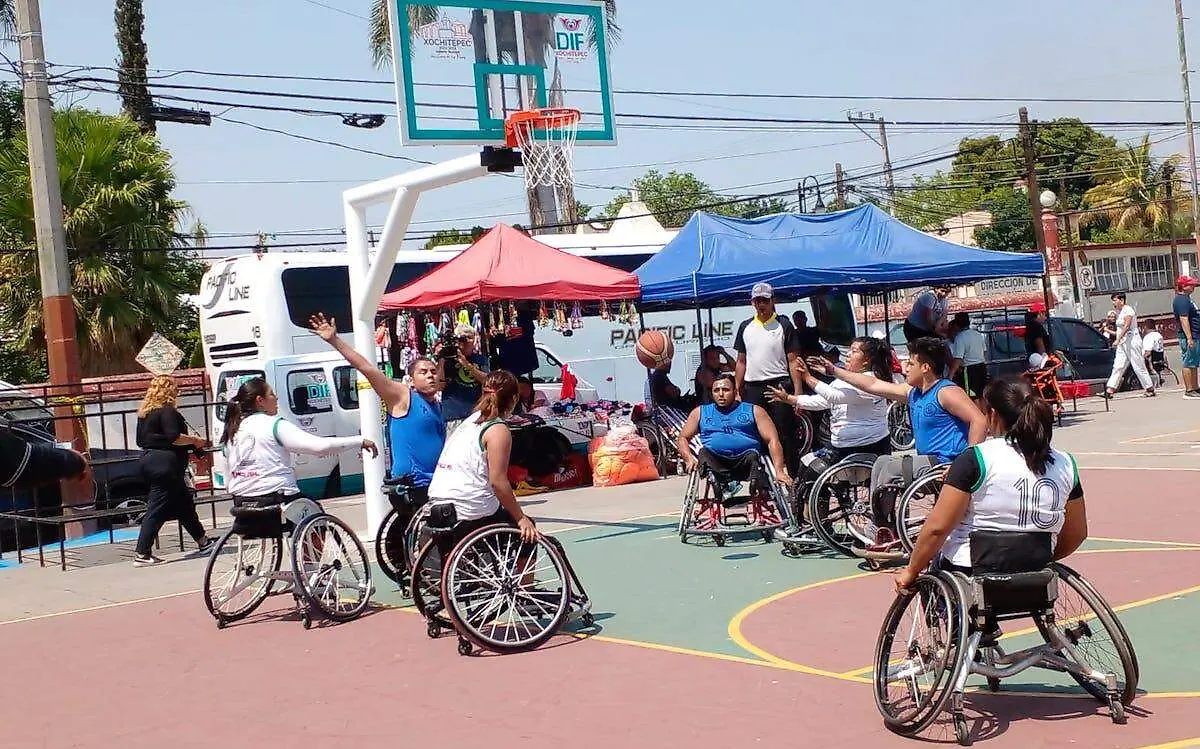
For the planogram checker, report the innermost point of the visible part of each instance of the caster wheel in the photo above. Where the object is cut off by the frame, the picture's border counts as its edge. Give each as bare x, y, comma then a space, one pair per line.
464, 647
874, 565
433, 631
405, 592
1117, 710
588, 620
307, 622
720, 540
768, 536
961, 731
993, 684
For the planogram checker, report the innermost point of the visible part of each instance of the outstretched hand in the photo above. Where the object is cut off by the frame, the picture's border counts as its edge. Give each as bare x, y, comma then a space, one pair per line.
323, 326
819, 365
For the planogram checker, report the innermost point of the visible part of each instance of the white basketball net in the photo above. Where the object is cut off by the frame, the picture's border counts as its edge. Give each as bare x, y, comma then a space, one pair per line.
548, 151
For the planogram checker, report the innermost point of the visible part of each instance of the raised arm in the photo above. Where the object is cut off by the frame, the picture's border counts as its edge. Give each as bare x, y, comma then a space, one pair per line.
296, 440
959, 405
393, 392
896, 391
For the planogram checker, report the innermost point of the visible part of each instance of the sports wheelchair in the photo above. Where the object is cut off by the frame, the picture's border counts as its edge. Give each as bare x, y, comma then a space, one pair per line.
947, 629
496, 591
397, 541
706, 511
329, 570
900, 431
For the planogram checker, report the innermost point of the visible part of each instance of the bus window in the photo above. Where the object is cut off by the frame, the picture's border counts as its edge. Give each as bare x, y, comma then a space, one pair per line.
345, 385
549, 369
326, 289
228, 384
308, 392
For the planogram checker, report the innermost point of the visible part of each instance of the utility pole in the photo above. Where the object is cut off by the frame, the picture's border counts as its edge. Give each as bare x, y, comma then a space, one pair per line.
58, 316
882, 142
1187, 116
839, 183
1033, 191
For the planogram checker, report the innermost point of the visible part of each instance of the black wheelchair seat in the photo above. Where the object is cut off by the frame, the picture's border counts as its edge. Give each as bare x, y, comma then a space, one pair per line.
251, 521
442, 518
1012, 572
405, 480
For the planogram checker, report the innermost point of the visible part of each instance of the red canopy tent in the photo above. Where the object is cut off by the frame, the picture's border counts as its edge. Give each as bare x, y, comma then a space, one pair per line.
506, 265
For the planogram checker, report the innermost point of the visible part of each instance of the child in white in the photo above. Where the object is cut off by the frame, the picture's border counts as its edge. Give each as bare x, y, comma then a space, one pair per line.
1128, 349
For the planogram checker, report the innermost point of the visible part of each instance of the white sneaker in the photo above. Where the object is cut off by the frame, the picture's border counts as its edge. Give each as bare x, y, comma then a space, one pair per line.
150, 561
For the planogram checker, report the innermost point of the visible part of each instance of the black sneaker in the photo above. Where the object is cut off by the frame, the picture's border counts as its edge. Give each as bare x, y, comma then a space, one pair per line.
206, 545
1192, 394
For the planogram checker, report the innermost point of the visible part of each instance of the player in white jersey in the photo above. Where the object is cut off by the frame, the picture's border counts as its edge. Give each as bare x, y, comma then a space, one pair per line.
1013, 481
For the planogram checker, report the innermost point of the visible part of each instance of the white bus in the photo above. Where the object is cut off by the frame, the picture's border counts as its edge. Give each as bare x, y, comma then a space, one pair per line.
254, 312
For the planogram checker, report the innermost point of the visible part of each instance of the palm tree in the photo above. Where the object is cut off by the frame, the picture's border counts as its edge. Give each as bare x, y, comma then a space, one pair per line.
8, 21
1135, 201
116, 188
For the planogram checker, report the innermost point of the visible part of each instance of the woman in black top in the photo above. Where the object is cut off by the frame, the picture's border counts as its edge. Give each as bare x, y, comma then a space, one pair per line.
161, 433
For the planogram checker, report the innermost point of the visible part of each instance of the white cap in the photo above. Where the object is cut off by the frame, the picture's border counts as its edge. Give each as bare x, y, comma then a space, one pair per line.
1037, 361
462, 330
762, 291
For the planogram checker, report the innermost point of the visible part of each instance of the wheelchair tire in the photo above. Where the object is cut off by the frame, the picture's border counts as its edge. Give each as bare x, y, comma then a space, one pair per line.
1077, 621
690, 495
251, 558
825, 520
426, 584
390, 549
481, 581
949, 606
914, 504
338, 587
900, 431
806, 434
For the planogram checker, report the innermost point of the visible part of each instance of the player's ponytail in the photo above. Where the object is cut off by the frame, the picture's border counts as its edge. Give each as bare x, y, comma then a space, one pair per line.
499, 397
244, 403
1028, 419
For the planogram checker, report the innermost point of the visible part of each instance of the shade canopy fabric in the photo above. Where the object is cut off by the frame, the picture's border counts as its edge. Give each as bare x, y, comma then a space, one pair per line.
716, 260
505, 265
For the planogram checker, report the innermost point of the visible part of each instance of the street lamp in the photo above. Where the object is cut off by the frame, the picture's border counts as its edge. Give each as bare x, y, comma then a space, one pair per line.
803, 187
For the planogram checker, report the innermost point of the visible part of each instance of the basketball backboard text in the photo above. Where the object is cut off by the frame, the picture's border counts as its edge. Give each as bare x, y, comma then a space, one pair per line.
464, 66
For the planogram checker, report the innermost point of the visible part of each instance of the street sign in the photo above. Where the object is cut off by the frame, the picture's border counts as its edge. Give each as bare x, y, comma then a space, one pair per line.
159, 356
1087, 278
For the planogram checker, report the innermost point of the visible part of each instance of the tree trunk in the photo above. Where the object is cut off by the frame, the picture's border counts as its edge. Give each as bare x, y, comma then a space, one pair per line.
131, 76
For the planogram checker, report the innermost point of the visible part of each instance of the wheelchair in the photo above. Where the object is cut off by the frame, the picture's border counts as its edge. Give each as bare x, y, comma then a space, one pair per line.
916, 502
900, 430
948, 629
494, 590
329, 571
707, 512
839, 504
397, 541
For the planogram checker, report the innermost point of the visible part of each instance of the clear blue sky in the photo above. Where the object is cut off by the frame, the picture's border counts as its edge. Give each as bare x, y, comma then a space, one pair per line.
1023, 48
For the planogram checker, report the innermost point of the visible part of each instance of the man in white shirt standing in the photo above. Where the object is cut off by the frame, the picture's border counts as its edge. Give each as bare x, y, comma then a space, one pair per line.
968, 349
766, 346
1128, 348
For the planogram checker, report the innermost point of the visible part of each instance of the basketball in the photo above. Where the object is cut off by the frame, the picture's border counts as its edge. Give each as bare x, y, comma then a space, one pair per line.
654, 349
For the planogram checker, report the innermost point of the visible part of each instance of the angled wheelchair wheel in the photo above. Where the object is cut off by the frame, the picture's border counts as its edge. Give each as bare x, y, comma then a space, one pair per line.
690, 495
503, 594
331, 567
914, 505
917, 654
806, 434
839, 505
427, 588
1091, 627
237, 576
389, 548
900, 431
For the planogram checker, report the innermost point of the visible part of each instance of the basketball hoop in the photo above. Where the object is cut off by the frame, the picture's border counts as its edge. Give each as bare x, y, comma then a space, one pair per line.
546, 138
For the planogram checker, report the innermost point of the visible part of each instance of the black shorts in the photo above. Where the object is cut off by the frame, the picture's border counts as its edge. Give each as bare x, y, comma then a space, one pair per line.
975, 380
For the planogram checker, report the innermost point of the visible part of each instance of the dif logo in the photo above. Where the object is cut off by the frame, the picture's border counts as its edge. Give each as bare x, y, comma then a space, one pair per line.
570, 42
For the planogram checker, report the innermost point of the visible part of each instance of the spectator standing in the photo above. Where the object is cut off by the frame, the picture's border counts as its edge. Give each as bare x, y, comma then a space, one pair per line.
1108, 328
1187, 325
1129, 349
766, 346
968, 351
713, 361
928, 314
463, 376
808, 337
1037, 333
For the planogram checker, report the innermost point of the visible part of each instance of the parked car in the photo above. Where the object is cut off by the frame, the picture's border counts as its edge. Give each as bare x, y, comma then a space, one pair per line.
116, 472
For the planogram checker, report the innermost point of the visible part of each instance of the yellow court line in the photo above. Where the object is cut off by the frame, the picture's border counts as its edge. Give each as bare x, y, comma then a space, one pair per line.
1136, 455
1150, 437
1188, 544
1136, 468
735, 631
1135, 550
1194, 741
101, 607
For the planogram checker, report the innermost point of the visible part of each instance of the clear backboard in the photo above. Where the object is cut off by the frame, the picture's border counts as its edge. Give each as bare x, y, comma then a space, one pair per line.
464, 66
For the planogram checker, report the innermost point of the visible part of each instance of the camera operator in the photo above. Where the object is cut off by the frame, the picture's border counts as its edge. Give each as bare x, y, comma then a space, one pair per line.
462, 370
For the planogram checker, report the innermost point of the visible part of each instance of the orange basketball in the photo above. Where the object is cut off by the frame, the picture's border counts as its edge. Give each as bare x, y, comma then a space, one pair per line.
654, 349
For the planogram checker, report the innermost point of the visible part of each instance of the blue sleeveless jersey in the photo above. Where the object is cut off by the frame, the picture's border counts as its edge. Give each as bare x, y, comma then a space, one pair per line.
938, 433
416, 440
731, 432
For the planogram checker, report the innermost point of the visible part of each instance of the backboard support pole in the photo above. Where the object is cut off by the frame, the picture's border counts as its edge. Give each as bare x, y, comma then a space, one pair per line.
368, 281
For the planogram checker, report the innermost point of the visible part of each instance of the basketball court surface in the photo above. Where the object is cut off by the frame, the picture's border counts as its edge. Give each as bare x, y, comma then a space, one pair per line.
695, 644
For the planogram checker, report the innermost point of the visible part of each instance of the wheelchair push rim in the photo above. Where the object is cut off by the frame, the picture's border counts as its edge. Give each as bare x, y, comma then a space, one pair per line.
238, 575
1096, 634
914, 505
503, 594
331, 567
841, 527
900, 431
390, 548
917, 654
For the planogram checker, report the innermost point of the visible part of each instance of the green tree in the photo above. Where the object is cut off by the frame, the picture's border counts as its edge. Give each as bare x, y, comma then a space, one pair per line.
1134, 202
932, 200
758, 207
1012, 226
454, 236
8, 22
117, 186
130, 23
672, 197
12, 111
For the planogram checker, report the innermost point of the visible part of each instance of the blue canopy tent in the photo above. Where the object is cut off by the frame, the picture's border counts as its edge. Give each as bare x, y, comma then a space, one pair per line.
715, 260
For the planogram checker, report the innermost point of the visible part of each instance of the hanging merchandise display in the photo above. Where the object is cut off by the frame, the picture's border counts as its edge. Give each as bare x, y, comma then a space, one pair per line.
576, 316
543, 315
